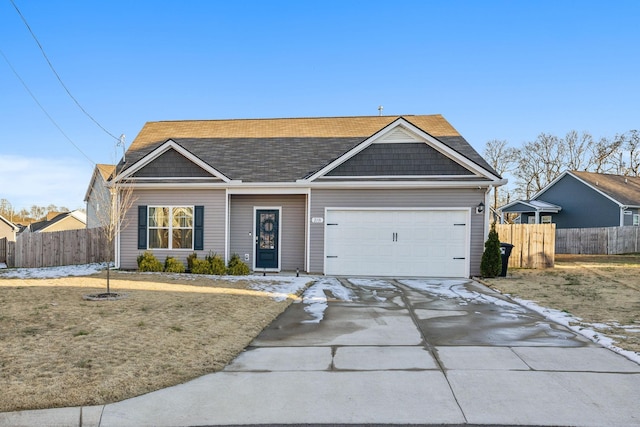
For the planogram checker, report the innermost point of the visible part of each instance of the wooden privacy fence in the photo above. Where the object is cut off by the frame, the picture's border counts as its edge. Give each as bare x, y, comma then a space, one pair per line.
533, 244
598, 241
7, 251
70, 247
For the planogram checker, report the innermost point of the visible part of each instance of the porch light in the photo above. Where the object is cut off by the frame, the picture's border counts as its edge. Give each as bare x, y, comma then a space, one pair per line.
480, 208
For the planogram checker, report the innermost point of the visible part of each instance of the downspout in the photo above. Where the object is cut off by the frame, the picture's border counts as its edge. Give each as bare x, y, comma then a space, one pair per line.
487, 212
116, 249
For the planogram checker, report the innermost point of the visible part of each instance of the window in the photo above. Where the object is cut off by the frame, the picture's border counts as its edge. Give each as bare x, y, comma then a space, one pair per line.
170, 227
531, 220
636, 220
545, 219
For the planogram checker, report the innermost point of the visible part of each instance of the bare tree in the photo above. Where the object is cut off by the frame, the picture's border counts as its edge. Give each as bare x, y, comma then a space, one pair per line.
630, 149
6, 209
37, 212
502, 159
111, 205
576, 147
540, 162
603, 155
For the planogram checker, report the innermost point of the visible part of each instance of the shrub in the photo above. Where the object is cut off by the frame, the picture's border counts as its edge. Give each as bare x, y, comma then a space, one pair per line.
491, 263
173, 265
237, 267
190, 259
148, 262
217, 264
200, 266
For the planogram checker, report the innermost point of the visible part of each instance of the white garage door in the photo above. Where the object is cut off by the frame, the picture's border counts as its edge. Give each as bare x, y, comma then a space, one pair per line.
397, 242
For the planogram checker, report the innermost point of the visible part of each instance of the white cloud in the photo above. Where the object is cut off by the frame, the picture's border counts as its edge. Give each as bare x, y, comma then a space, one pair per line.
27, 181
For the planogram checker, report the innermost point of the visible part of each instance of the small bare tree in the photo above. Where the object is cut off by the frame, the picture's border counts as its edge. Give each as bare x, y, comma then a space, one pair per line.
111, 204
502, 159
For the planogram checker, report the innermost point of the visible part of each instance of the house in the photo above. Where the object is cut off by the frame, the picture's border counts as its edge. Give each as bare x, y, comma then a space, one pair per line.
97, 197
582, 200
379, 195
59, 222
8, 229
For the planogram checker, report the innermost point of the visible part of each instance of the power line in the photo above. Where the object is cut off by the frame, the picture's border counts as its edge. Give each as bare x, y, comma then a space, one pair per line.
43, 109
58, 76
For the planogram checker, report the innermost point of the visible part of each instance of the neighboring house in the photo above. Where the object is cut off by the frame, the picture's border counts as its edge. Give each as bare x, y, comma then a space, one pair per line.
59, 222
582, 200
8, 229
97, 196
379, 195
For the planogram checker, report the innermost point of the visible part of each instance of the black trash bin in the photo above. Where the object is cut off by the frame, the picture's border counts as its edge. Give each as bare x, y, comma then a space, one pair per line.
505, 252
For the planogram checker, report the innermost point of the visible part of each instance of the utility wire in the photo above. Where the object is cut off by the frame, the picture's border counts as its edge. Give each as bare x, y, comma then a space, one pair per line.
58, 76
43, 109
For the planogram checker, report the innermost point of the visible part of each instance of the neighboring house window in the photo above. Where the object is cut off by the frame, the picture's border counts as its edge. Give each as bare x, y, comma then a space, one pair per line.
636, 220
532, 220
545, 219
170, 227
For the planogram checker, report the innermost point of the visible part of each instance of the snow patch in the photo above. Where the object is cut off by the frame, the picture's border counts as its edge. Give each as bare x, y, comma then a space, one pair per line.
456, 289
315, 297
54, 272
577, 325
280, 288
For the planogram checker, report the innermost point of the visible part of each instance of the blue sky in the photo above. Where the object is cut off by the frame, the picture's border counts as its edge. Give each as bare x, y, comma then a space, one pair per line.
495, 69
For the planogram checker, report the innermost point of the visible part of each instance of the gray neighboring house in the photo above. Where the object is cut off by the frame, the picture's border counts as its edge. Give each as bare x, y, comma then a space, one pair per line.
582, 200
379, 195
97, 195
8, 229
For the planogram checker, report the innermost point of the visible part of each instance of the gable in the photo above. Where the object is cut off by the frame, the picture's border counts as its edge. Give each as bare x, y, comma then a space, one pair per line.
403, 150
171, 164
517, 207
399, 159
572, 192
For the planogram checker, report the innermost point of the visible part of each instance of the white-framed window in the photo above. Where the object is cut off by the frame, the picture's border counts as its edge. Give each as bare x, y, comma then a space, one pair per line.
636, 220
545, 219
170, 227
531, 220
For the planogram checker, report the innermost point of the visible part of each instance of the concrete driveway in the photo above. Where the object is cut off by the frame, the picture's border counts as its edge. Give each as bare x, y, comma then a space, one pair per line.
382, 351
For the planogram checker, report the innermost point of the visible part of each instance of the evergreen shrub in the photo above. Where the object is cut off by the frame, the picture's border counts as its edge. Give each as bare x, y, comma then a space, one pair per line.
173, 265
237, 267
491, 262
148, 262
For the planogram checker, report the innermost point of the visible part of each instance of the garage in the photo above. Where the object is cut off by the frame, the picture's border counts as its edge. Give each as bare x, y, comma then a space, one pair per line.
392, 242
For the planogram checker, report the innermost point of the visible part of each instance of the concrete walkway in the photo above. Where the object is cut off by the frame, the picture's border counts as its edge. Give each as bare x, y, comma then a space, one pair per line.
399, 353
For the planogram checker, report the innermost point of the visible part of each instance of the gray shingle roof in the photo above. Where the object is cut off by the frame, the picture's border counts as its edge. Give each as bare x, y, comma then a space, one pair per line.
282, 150
624, 189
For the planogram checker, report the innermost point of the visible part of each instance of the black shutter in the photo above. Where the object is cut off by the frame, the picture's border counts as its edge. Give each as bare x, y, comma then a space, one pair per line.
198, 229
142, 227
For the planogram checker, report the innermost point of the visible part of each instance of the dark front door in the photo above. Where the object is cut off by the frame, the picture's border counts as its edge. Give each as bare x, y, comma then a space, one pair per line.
267, 225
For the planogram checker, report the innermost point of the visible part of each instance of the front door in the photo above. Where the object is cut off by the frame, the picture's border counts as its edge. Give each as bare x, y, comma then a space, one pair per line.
267, 226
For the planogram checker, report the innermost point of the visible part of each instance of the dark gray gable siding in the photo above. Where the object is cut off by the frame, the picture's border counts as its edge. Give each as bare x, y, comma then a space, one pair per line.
582, 207
397, 160
171, 164
518, 207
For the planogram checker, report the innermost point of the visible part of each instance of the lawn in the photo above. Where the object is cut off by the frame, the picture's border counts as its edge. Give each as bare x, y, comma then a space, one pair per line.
59, 350
602, 291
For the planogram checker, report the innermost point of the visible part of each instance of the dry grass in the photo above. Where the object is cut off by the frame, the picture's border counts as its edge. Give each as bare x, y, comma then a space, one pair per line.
59, 350
601, 290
